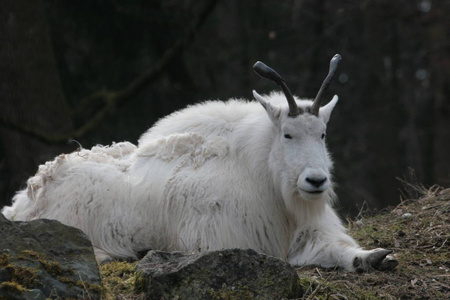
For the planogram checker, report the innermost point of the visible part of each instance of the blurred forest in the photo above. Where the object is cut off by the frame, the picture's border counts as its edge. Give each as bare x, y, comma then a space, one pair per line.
97, 71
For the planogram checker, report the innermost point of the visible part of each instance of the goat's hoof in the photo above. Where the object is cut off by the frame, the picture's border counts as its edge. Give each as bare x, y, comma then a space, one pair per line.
377, 259
389, 263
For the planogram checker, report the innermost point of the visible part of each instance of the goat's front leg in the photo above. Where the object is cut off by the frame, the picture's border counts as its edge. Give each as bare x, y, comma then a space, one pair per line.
376, 259
334, 248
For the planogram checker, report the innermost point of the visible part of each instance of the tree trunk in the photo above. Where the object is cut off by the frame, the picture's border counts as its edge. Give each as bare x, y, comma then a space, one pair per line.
30, 91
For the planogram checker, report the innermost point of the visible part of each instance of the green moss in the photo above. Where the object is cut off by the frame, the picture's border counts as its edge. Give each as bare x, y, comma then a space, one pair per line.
13, 287
69, 281
139, 283
4, 260
25, 276
19, 277
94, 288
51, 266
121, 278
30, 278
54, 268
29, 254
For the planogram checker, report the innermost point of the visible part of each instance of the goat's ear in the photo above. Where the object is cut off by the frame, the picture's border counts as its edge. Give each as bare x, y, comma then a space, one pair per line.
325, 111
274, 112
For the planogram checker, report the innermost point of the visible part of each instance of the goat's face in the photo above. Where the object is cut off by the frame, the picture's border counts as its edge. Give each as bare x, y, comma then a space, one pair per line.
299, 159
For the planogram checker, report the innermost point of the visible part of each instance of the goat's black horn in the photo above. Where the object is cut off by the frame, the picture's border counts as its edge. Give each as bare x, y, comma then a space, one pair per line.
319, 98
268, 73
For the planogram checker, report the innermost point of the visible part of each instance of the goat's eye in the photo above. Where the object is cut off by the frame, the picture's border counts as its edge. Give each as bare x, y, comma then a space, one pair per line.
323, 135
288, 136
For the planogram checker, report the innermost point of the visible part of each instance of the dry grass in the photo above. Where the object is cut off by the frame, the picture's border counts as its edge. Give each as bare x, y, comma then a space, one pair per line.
418, 231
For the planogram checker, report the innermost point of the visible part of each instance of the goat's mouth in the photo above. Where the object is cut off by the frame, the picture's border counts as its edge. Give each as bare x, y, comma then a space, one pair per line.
314, 192
310, 195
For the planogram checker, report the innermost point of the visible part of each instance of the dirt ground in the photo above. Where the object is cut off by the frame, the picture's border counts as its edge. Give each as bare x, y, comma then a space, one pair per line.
418, 232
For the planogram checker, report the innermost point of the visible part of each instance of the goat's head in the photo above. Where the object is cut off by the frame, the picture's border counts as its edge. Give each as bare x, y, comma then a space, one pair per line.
299, 159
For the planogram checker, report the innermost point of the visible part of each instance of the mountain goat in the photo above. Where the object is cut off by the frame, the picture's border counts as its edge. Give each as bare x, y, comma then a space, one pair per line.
215, 175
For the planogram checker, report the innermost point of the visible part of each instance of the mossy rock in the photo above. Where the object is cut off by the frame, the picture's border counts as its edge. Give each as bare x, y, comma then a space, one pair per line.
46, 259
225, 274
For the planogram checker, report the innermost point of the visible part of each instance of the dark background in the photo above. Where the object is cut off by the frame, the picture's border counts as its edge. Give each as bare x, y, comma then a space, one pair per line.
98, 71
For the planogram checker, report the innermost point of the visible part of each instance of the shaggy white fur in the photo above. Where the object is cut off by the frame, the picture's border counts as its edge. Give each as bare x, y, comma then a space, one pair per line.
214, 175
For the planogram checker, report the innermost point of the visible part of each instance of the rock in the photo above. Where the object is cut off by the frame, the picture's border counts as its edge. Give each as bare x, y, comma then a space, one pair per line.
407, 216
46, 259
225, 274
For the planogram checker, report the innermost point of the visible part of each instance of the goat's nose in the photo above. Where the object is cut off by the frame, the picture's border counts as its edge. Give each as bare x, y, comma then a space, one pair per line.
317, 182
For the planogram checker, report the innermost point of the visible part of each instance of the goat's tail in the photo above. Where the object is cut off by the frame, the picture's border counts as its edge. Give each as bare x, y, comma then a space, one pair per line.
21, 209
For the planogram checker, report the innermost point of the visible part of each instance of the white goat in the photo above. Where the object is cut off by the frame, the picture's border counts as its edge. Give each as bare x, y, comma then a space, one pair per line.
212, 176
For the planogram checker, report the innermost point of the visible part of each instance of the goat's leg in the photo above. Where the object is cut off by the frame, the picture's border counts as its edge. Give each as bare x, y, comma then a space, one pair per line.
337, 249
